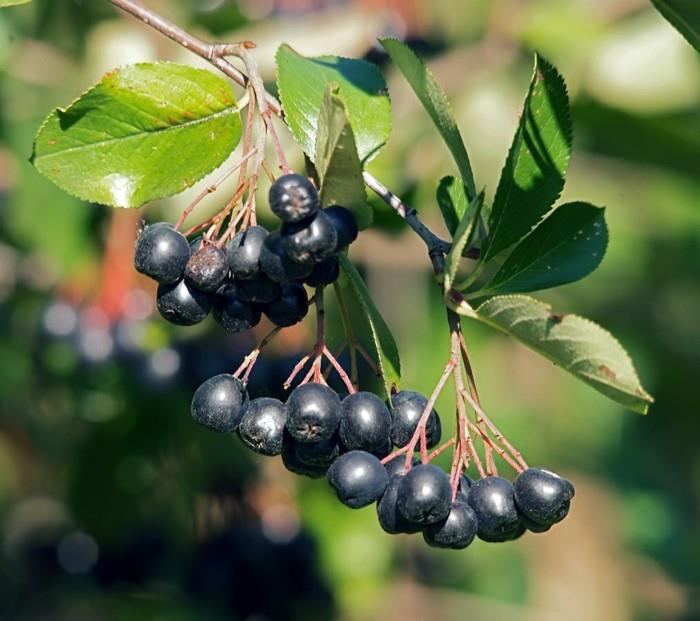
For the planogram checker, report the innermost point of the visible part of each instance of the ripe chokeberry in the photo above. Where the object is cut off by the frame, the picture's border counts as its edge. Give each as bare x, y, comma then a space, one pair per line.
424, 495
231, 313
293, 198
243, 252
207, 268
358, 478
456, 531
259, 290
290, 307
277, 265
406, 409
162, 253
396, 465
344, 224
324, 273
262, 427
291, 460
220, 403
182, 304
314, 413
542, 496
388, 514
310, 241
318, 453
493, 501
365, 422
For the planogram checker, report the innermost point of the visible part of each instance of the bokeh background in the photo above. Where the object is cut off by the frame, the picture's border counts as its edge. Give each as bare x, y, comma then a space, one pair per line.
114, 506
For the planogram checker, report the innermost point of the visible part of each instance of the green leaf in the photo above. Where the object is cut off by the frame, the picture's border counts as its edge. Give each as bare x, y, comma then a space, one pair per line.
462, 236
578, 345
4, 3
684, 15
533, 176
143, 132
337, 163
382, 340
565, 247
302, 83
435, 102
452, 199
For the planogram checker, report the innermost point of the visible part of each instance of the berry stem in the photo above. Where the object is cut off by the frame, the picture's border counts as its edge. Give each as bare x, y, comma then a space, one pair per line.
250, 360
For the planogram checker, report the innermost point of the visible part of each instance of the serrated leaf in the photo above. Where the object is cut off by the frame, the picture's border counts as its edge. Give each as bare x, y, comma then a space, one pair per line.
435, 102
337, 163
382, 341
568, 245
5, 3
462, 236
684, 15
452, 199
574, 343
143, 132
302, 83
533, 176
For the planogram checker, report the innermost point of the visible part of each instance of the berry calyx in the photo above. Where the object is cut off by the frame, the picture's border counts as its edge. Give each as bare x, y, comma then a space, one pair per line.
293, 198
542, 496
243, 252
314, 413
262, 427
310, 241
207, 268
456, 531
493, 501
365, 422
424, 495
161, 253
220, 403
182, 304
358, 478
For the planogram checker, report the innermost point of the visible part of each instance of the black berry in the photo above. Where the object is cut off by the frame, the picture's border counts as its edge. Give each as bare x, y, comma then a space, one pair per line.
456, 531
542, 496
259, 290
293, 198
494, 504
290, 307
277, 265
424, 495
231, 313
406, 409
162, 253
324, 273
243, 252
396, 465
318, 453
388, 514
220, 403
292, 462
358, 478
182, 304
344, 224
262, 427
365, 422
314, 413
310, 241
207, 268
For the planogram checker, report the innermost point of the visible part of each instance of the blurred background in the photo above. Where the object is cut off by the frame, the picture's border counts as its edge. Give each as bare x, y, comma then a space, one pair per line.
113, 505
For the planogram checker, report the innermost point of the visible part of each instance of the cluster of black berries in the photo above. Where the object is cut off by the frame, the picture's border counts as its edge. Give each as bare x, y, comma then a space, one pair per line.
258, 271
318, 434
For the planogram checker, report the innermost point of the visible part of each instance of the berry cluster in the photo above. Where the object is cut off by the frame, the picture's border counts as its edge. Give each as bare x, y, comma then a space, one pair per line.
257, 271
350, 442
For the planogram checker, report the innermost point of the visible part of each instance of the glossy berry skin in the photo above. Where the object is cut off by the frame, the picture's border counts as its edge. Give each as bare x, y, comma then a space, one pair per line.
365, 422
182, 304
318, 453
259, 290
231, 313
293, 198
542, 496
396, 465
424, 495
314, 413
262, 427
456, 531
310, 241
406, 409
344, 224
324, 273
276, 264
162, 253
290, 307
207, 268
388, 514
358, 478
493, 501
291, 460
220, 403
243, 252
